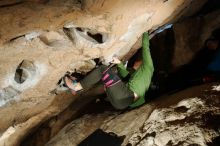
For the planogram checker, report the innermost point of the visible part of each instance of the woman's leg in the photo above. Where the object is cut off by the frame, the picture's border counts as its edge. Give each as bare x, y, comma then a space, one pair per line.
120, 95
93, 77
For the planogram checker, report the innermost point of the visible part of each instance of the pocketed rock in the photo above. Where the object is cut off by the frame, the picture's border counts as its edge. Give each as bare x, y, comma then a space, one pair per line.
183, 124
47, 33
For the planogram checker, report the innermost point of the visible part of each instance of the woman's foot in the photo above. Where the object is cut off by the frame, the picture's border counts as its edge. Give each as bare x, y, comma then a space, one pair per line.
72, 84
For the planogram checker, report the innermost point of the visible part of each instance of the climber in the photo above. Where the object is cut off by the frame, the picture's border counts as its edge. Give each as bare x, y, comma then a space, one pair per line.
120, 94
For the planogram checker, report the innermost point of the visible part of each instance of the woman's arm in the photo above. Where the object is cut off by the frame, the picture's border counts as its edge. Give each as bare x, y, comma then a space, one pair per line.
123, 72
146, 56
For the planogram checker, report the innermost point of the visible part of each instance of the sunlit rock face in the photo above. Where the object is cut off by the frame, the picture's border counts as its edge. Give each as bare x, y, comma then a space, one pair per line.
41, 40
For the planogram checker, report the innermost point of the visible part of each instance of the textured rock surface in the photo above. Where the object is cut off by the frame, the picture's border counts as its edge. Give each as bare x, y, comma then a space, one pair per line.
73, 133
183, 124
40, 42
183, 118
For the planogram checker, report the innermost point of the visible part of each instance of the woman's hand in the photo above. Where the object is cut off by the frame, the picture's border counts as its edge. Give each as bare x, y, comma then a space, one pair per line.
115, 60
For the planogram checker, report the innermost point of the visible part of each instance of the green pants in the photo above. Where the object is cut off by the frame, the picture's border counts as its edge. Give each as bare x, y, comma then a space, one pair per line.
119, 94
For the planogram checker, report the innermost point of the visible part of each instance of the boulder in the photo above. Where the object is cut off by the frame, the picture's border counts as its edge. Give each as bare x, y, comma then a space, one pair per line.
187, 117
40, 41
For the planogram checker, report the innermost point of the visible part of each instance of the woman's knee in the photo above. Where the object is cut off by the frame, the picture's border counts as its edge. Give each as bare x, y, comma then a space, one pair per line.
119, 106
120, 103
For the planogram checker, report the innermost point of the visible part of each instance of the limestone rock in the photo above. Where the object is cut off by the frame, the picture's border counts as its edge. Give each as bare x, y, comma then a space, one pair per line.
183, 118
73, 133
183, 124
53, 37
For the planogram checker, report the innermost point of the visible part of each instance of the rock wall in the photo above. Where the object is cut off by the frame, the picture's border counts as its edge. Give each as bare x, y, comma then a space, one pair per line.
41, 41
189, 117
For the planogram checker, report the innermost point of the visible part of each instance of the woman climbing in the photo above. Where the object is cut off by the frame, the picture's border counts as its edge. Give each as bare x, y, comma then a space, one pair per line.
120, 94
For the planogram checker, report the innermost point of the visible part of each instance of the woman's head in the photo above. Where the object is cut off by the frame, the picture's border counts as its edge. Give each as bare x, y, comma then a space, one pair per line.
136, 60
137, 64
